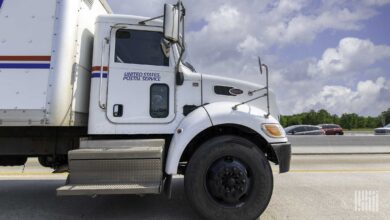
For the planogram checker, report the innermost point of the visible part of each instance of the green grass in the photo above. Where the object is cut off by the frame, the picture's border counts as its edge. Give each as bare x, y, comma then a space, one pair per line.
360, 129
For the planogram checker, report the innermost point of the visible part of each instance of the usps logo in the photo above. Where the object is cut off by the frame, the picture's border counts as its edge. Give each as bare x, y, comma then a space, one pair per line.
141, 76
1, 3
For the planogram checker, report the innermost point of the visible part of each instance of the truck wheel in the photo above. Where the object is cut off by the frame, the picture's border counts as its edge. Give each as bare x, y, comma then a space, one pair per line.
228, 177
51, 162
45, 161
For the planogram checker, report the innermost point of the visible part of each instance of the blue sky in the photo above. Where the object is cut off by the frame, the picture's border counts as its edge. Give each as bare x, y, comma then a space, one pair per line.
331, 54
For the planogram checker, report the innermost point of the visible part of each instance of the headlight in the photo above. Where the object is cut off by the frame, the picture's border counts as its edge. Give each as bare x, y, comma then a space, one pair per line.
273, 130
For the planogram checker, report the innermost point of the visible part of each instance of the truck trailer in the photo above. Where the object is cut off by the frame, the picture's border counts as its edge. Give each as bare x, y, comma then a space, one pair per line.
112, 100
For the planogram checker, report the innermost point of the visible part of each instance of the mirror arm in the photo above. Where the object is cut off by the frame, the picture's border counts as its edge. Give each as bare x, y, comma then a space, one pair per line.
183, 10
179, 75
150, 19
180, 43
267, 88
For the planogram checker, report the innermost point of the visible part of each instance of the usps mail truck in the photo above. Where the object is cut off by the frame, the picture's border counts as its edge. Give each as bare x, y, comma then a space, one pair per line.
112, 100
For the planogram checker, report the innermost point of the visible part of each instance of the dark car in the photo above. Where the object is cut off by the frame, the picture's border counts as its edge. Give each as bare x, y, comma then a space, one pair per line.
383, 131
304, 130
332, 129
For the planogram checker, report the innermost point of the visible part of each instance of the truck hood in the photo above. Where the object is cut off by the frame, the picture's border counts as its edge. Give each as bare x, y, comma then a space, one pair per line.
216, 89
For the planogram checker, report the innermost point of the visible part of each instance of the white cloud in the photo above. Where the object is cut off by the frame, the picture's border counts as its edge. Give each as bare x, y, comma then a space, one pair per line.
304, 28
250, 45
351, 54
239, 30
376, 2
340, 99
224, 20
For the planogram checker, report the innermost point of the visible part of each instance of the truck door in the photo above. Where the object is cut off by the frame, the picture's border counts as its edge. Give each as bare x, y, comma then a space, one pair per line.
141, 78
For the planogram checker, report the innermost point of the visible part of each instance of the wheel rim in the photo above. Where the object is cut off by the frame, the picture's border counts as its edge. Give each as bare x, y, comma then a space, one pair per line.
228, 181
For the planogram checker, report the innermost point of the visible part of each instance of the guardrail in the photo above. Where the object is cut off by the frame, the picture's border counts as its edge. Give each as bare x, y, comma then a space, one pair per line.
324, 144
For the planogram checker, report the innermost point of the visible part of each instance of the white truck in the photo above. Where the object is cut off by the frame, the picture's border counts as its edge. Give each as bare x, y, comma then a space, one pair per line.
111, 98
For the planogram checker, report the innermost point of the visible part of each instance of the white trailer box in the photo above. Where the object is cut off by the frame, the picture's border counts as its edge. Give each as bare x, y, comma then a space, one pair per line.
45, 61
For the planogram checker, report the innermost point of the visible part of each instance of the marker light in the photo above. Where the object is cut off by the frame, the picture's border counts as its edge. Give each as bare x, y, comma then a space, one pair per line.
273, 130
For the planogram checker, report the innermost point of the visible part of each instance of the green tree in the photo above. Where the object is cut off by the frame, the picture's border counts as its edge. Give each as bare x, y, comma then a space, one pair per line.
324, 117
284, 120
347, 120
385, 117
361, 122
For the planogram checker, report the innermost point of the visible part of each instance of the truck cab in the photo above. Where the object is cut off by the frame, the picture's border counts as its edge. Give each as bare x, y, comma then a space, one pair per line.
141, 86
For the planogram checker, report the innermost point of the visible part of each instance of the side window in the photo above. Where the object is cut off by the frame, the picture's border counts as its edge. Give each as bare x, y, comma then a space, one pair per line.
299, 129
139, 47
159, 101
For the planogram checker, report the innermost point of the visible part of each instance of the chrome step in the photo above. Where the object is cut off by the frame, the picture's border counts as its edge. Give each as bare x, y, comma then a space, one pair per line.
90, 190
115, 167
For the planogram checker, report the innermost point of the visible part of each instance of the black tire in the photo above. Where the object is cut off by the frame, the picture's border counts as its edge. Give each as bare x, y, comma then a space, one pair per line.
44, 161
50, 162
205, 179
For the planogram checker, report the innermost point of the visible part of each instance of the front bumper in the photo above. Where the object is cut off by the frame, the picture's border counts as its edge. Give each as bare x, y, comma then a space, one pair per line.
283, 155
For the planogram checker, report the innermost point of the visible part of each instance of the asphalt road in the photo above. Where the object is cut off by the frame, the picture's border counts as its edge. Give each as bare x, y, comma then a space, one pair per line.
318, 187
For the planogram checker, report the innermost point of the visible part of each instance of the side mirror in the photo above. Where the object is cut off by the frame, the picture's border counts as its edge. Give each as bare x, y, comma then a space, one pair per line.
171, 23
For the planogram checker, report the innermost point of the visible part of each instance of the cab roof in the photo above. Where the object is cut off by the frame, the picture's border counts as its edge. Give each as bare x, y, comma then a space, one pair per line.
127, 19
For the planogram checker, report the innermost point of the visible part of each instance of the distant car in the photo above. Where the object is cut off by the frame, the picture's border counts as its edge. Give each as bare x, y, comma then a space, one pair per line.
332, 129
304, 130
383, 131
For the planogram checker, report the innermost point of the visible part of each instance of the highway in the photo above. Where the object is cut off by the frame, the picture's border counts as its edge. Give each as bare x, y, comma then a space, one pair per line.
318, 187
344, 144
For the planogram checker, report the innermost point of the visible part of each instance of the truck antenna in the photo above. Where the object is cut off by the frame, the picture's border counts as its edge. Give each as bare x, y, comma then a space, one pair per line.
266, 94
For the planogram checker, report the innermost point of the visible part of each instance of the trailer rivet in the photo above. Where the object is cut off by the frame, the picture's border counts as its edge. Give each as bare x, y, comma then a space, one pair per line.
179, 130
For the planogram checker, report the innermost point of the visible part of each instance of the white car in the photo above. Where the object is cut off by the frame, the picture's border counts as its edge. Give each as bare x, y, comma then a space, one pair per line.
383, 131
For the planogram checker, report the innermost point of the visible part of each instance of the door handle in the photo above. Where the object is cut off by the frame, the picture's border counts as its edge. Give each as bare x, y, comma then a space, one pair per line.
117, 110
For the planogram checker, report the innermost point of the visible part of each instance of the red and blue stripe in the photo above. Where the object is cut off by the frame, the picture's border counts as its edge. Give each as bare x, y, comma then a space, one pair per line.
25, 62
96, 72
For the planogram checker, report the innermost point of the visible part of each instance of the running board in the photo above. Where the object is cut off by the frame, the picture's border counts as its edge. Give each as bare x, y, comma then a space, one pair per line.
102, 167
91, 190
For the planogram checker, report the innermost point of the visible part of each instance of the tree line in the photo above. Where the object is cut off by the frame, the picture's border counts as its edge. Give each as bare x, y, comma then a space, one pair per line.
346, 120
